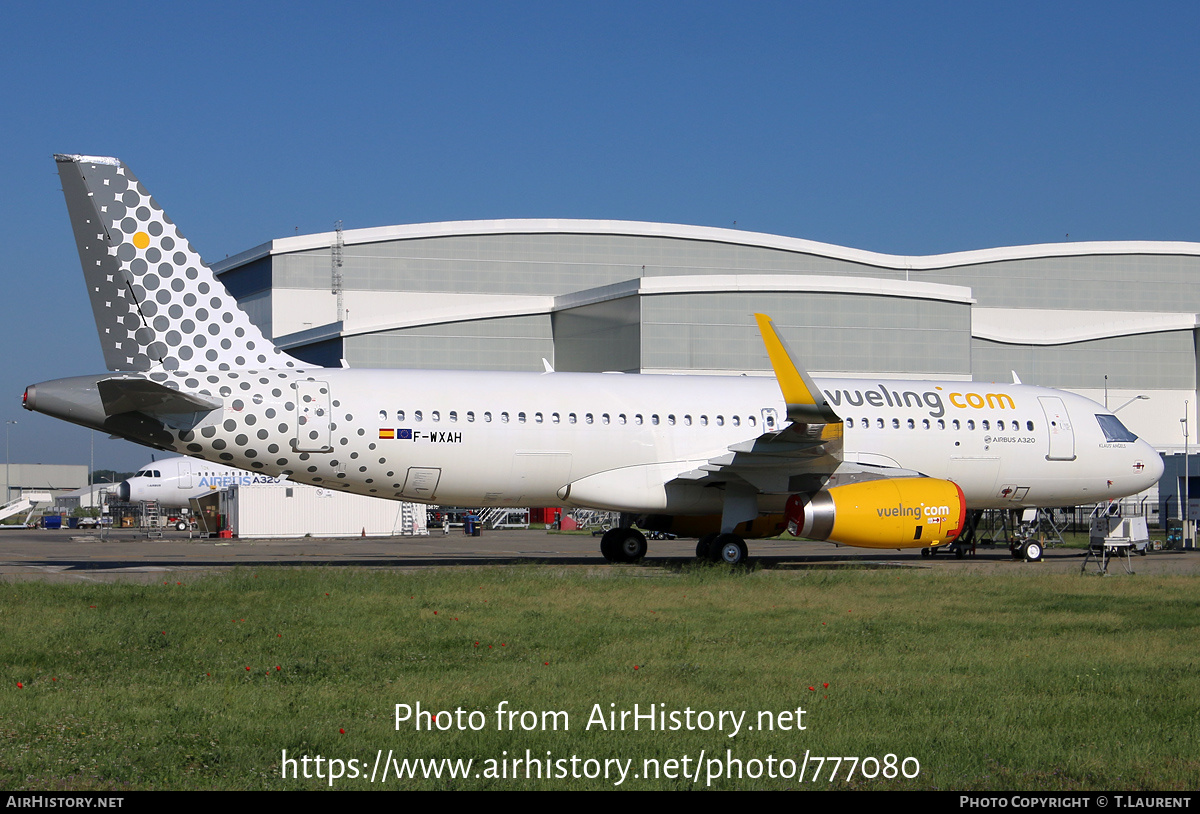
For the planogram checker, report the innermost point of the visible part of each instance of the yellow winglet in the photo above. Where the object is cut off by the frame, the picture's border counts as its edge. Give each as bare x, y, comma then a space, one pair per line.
804, 401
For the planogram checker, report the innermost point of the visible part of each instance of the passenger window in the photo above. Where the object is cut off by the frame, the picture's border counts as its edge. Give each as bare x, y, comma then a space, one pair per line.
604, 418
504, 417
470, 416
554, 418
737, 421
879, 423
621, 419
1000, 425
654, 419
383, 415
720, 421
687, 421
1029, 426
941, 424
637, 419
895, 423
970, 424
926, 423
453, 415
537, 418
703, 421
400, 416
571, 419
671, 419
416, 415
987, 425
912, 425
435, 415
587, 418
866, 422
751, 420
957, 426
487, 417
849, 422
521, 418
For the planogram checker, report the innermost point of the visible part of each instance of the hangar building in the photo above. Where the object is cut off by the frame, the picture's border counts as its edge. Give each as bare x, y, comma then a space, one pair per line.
1111, 320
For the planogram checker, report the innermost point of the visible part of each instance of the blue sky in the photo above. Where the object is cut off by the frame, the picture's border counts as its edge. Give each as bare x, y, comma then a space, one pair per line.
909, 128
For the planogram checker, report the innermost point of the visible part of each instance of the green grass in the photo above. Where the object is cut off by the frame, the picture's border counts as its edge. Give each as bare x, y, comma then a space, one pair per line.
1032, 682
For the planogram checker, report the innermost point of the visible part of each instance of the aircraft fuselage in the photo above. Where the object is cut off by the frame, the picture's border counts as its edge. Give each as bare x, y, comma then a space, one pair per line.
617, 441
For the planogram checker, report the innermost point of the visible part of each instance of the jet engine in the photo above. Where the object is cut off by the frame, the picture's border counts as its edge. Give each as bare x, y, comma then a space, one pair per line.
888, 513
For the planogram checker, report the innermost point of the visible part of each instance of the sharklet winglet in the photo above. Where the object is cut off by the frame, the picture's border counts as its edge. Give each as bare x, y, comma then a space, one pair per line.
804, 401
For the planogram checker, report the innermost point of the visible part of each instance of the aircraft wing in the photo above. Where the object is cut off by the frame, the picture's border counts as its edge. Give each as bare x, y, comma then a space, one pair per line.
798, 458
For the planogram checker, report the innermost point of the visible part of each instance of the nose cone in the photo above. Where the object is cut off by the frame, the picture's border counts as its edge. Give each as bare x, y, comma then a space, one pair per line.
123, 491
1152, 462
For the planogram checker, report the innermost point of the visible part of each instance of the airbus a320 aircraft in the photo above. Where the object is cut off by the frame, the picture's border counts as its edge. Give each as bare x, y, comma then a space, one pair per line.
881, 464
172, 482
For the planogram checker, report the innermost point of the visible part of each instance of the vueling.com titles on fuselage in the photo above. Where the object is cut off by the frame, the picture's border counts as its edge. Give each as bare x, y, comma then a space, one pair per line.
883, 397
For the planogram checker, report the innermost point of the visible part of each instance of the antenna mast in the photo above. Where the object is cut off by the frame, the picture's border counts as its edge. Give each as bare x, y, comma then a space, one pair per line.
336, 253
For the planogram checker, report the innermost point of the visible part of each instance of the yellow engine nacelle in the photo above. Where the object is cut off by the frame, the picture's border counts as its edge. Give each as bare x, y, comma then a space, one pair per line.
889, 513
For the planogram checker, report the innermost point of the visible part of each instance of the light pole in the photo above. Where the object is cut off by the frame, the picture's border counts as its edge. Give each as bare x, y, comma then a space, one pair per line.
1187, 475
7, 481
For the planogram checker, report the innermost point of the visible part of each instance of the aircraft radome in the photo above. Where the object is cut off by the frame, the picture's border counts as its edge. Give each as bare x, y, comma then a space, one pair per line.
882, 464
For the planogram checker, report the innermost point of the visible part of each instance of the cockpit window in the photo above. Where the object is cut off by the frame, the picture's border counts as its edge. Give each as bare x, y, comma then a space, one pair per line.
1114, 430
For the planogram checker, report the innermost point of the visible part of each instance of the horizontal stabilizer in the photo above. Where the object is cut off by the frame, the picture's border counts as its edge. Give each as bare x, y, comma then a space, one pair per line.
144, 396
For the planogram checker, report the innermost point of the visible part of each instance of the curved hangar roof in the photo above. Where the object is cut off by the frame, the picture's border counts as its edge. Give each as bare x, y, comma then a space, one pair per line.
1085, 290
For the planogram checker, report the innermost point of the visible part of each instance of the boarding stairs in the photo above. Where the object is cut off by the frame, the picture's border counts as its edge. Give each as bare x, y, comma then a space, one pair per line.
504, 518
595, 518
26, 502
409, 527
152, 518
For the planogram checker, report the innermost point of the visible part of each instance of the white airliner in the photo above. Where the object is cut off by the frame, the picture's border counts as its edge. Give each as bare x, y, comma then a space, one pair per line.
172, 482
883, 464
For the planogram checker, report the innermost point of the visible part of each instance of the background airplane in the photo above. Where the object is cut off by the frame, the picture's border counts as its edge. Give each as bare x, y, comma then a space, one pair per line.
889, 464
172, 482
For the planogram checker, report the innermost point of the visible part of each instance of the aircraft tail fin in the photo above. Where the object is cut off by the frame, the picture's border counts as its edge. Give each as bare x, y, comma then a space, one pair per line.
156, 304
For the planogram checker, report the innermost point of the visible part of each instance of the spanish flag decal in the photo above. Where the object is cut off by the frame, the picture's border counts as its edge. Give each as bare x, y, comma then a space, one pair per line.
387, 434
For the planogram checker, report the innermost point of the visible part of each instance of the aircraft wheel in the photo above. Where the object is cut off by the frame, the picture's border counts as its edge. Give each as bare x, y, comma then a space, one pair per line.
704, 547
960, 552
925, 552
632, 546
729, 549
623, 545
609, 545
1032, 551
181, 526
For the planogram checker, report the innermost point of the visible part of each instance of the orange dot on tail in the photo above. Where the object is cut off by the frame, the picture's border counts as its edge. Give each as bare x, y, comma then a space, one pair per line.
141, 240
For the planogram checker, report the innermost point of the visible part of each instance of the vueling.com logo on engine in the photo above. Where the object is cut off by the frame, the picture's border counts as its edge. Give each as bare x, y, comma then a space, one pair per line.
914, 511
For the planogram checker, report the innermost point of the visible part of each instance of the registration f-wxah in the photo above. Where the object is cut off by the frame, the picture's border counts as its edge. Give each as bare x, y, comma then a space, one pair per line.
874, 463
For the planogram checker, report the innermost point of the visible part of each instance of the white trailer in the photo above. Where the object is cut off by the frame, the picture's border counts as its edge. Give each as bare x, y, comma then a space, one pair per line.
298, 510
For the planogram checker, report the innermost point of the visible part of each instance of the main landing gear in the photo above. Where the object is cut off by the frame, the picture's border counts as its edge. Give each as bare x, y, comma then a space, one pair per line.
623, 545
727, 548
